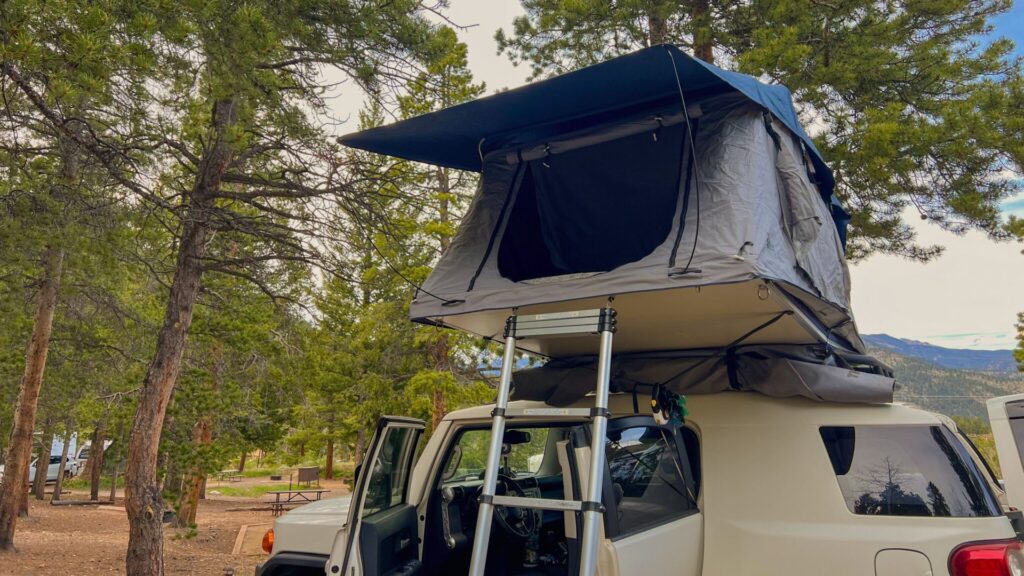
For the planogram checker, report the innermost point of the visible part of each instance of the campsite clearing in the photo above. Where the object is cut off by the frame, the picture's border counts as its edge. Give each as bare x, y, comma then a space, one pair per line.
91, 540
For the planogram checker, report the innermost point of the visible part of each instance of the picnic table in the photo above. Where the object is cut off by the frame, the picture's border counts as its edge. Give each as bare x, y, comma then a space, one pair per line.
284, 499
230, 475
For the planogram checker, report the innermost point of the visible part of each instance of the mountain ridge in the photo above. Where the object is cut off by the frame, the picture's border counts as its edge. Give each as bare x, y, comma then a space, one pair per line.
953, 358
951, 381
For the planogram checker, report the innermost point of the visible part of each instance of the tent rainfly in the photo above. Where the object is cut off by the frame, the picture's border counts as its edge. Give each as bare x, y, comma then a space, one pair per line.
689, 194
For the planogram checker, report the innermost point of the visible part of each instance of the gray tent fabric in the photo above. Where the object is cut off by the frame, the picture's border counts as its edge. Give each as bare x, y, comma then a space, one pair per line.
778, 371
623, 208
693, 202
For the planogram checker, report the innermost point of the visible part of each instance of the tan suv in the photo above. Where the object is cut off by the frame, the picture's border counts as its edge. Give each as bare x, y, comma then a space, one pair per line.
747, 485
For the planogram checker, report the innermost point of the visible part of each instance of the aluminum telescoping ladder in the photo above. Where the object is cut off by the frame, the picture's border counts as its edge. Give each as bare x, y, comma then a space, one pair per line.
599, 321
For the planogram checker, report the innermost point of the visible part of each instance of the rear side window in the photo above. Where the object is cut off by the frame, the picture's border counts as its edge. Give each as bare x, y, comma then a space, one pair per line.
906, 471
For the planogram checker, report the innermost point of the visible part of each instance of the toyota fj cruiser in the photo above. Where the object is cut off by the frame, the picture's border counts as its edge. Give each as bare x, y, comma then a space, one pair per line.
747, 485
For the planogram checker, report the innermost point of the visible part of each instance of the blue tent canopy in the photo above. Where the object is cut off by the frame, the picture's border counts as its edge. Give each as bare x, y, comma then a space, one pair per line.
459, 137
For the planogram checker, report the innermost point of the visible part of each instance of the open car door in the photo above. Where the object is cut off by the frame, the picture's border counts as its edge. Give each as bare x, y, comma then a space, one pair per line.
381, 536
1006, 414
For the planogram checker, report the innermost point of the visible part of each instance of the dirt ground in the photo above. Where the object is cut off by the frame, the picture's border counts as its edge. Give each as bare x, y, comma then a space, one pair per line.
92, 540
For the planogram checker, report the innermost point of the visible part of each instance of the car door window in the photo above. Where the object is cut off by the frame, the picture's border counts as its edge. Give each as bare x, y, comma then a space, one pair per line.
647, 475
524, 459
387, 482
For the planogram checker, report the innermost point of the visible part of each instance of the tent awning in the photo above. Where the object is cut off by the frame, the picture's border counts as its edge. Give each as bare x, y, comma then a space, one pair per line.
458, 137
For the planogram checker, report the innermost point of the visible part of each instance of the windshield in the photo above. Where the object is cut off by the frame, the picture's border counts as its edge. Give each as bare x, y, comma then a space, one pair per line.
468, 460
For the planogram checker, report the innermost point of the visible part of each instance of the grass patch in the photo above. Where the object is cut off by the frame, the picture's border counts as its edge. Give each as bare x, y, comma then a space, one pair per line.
83, 483
345, 470
260, 472
248, 491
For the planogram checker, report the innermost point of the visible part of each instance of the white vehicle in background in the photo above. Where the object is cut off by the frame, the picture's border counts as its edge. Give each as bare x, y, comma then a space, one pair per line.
301, 540
1006, 415
82, 456
52, 469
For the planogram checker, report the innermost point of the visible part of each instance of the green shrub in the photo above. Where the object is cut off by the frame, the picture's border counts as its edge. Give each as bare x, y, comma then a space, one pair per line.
345, 471
247, 491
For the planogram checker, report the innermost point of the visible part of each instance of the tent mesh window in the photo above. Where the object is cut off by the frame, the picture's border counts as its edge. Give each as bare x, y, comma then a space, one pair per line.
593, 209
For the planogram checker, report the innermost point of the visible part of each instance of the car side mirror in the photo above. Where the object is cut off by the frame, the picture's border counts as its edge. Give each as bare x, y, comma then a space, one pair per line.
355, 474
453, 464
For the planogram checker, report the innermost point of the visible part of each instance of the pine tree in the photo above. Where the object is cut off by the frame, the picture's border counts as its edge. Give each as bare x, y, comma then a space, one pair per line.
233, 121
936, 501
446, 82
1018, 354
57, 198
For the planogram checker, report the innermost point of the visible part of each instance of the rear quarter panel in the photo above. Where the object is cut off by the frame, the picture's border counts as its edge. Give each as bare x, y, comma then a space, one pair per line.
772, 504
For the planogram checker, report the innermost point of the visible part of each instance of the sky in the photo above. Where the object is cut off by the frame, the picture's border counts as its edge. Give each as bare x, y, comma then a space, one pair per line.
967, 298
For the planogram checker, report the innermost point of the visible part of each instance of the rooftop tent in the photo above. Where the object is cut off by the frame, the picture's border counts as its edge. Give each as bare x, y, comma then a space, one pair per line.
590, 189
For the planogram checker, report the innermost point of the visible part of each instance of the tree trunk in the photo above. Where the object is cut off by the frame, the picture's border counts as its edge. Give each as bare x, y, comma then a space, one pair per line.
360, 446
142, 491
440, 355
440, 350
87, 473
241, 461
657, 29
55, 497
23, 498
703, 39
202, 437
143, 501
171, 473
20, 445
438, 410
113, 482
329, 469
96, 455
444, 187
43, 462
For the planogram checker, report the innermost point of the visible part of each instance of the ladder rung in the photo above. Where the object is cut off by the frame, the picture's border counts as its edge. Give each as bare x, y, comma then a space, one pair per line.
537, 503
549, 412
563, 323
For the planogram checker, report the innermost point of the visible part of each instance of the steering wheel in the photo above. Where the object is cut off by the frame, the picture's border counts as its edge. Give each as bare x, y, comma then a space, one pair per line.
516, 521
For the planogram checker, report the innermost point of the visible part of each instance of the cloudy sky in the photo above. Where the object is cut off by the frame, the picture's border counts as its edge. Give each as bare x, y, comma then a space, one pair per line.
968, 298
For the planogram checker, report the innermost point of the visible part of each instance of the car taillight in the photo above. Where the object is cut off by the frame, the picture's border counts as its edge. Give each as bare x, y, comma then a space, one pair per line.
268, 541
994, 558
